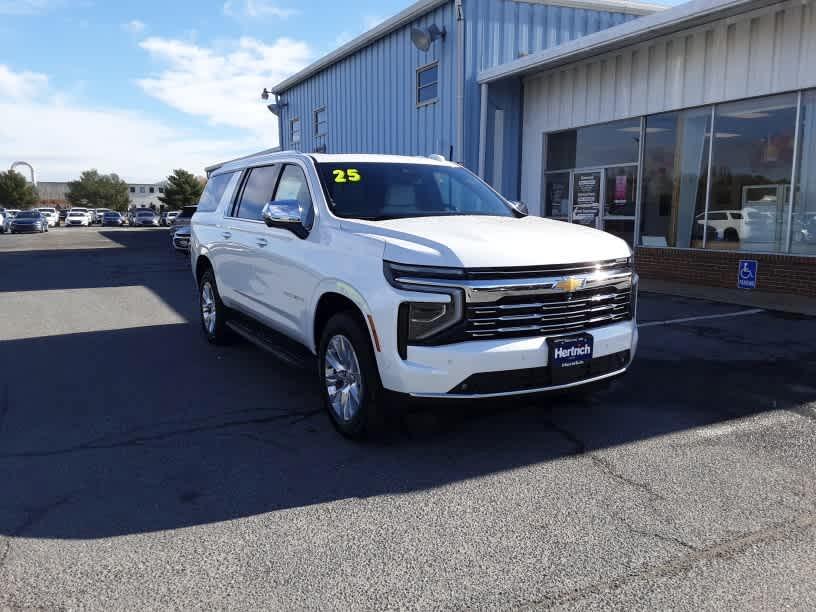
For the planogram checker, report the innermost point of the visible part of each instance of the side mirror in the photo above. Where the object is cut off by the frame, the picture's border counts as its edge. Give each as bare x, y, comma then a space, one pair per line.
285, 214
520, 208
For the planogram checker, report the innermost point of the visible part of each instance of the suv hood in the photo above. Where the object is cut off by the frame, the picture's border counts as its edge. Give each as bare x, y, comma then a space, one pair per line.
489, 242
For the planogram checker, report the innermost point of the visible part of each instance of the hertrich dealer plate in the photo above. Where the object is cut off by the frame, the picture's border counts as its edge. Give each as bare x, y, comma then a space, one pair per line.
570, 357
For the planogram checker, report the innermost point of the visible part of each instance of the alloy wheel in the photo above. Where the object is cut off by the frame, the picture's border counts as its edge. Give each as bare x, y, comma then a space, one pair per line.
208, 312
343, 378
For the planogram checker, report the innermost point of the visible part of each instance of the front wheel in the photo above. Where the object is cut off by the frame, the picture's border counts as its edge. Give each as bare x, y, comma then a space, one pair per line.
349, 379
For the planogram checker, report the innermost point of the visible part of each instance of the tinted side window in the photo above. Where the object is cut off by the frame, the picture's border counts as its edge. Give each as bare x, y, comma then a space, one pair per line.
293, 186
213, 192
260, 185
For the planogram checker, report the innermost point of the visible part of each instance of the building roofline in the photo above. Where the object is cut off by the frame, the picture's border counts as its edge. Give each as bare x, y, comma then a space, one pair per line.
423, 7
410, 14
681, 17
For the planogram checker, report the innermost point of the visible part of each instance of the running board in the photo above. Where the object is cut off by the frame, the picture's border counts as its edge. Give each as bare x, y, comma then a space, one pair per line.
286, 350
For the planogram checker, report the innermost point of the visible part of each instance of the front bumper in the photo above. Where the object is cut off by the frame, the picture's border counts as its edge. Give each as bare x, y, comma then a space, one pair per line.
26, 229
502, 368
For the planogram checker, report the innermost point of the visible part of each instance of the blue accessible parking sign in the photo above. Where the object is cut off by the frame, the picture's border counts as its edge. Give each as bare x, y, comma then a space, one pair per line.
747, 277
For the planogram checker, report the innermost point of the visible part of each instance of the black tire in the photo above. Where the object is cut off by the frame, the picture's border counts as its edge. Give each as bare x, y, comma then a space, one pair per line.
218, 333
368, 421
731, 235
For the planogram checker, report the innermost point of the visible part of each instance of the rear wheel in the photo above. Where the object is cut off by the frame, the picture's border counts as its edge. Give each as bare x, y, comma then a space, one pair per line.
213, 312
349, 379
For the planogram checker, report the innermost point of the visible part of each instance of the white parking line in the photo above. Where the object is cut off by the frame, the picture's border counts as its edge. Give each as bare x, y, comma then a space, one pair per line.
727, 315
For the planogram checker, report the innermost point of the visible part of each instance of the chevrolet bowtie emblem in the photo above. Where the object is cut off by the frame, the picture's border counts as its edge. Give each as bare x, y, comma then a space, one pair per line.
570, 284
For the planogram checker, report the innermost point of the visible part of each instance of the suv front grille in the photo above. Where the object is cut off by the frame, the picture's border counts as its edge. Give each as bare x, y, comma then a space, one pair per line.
547, 315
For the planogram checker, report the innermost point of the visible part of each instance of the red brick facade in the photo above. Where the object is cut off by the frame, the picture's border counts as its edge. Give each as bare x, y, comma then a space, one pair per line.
776, 274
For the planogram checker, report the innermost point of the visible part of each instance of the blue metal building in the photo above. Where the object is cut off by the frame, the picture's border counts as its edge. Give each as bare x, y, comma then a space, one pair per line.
381, 94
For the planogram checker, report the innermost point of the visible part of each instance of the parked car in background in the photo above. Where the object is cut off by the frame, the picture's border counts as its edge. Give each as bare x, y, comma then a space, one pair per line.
2, 217
29, 221
180, 239
112, 219
145, 218
99, 213
81, 209
77, 218
51, 215
183, 218
8, 216
168, 217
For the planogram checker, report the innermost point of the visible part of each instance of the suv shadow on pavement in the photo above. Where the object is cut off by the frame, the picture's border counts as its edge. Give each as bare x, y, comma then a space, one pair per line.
149, 428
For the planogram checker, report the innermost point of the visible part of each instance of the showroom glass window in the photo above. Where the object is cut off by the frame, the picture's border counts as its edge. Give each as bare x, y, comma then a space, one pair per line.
803, 240
751, 170
675, 172
605, 155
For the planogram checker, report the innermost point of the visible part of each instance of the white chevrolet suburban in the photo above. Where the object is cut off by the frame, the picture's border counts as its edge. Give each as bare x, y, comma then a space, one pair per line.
407, 276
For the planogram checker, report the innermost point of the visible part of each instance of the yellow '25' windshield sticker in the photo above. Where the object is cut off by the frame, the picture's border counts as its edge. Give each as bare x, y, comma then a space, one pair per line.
347, 176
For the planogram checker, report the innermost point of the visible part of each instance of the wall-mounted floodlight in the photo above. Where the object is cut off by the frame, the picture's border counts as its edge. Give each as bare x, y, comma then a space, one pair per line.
423, 38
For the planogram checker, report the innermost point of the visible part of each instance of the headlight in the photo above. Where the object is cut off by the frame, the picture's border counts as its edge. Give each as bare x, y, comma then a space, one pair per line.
421, 321
403, 276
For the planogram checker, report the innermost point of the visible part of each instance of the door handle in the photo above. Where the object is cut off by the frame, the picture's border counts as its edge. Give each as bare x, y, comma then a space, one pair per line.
227, 235
262, 242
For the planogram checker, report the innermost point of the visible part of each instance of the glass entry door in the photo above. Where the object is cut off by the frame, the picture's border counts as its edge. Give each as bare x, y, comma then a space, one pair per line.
587, 198
605, 198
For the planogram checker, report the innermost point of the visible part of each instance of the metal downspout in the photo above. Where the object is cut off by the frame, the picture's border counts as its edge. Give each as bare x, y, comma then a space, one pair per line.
460, 81
483, 132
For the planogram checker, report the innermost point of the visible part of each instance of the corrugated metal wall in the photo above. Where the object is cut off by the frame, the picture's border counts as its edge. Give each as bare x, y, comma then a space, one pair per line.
500, 31
766, 51
370, 98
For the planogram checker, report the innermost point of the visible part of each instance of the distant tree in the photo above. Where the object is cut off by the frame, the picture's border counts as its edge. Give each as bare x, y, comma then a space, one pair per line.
99, 191
16, 192
182, 189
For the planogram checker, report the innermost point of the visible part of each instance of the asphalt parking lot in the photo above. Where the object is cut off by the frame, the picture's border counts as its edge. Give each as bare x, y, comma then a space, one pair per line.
140, 467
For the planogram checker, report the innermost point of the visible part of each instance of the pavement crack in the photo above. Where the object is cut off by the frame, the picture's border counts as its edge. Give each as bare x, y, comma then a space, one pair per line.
141, 440
653, 534
606, 466
35, 515
679, 565
580, 445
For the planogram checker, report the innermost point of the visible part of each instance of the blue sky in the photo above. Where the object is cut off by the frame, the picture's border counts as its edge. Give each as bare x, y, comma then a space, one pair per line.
140, 88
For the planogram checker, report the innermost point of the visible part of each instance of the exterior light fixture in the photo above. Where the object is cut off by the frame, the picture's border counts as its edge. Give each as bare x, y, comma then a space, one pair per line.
423, 38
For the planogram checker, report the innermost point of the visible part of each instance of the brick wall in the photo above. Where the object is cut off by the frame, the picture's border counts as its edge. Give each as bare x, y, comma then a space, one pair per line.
776, 274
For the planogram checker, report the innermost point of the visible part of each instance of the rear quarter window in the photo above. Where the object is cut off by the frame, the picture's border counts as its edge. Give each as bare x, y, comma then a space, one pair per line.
214, 191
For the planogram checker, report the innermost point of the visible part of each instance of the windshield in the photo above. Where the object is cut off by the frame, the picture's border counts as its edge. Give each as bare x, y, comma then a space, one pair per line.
47, 210
382, 190
76, 214
28, 214
144, 214
110, 214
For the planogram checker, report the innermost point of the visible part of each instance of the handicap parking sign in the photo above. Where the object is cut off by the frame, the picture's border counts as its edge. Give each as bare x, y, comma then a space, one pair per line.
747, 277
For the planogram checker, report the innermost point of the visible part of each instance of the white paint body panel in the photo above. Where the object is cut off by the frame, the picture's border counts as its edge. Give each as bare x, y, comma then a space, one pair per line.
281, 284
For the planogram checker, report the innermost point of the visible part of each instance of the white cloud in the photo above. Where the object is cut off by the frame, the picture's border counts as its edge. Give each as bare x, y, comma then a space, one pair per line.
223, 85
27, 7
134, 26
61, 138
21, 85
256, 9
371, 21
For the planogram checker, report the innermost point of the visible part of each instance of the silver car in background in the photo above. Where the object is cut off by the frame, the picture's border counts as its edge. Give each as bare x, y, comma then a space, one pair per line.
145, 218
6, 218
